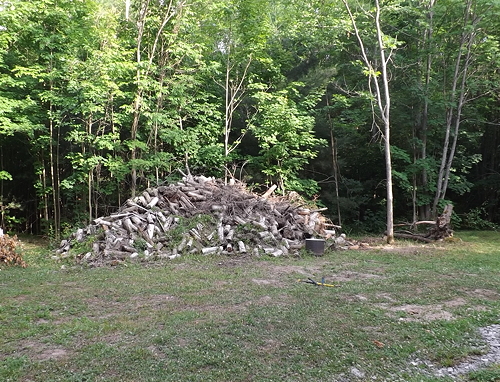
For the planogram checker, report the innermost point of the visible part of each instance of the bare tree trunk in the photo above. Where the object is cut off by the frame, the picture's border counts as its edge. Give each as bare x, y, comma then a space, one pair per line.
234, 91
335, 165
386, 112
425, 211
454, 111
53, 175
383, 101
58, 181
43, 180
127, 9
141, 24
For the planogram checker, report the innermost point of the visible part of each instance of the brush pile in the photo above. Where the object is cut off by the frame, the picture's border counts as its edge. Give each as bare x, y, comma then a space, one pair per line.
9, 255
197, 215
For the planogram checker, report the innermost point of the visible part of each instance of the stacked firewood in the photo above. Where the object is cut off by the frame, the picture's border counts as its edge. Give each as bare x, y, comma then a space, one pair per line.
198, 215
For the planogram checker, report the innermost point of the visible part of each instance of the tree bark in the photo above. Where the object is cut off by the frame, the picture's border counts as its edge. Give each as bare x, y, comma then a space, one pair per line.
424, 212
383, 101
335, 165
454, 112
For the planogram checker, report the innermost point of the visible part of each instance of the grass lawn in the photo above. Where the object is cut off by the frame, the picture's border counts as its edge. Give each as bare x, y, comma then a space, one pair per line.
219, 318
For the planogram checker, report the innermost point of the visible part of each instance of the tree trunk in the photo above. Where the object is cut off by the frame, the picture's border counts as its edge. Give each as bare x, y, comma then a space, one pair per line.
385, 109
234, 91
454, 111
335, 165
53, 174
424, 212
383, 101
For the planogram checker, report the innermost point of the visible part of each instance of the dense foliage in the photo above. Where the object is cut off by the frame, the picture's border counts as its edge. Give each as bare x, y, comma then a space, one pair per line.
102, 98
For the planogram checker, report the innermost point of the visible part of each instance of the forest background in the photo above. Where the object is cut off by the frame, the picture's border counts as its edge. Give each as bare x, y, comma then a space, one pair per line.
100, 99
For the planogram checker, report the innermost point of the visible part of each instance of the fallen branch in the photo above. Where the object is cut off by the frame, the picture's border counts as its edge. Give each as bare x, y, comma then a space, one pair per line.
413, 237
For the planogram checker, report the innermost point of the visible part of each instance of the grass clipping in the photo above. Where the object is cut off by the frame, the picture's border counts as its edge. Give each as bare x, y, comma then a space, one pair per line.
8, 253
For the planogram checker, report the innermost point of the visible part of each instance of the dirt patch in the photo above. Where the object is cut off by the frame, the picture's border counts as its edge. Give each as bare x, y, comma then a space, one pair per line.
264, 281
152, 301
410, 249
287, 269
385, 296
455, 303
40, 351
413, 312
99, 308
486, 294
350, 276
318, 269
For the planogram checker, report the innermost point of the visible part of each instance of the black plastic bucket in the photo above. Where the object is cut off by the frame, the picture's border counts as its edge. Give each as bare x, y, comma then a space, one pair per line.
316, 246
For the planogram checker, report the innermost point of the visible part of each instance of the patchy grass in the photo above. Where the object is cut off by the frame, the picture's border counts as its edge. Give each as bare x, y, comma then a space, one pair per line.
220, 318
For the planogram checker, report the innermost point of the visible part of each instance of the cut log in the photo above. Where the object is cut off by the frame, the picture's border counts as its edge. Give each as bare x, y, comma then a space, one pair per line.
241, 247
114, 254
154, 201
151, 230
268, 193
210, 250
127, 223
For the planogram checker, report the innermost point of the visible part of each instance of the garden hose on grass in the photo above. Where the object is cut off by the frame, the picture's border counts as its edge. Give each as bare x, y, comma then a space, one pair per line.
311, 281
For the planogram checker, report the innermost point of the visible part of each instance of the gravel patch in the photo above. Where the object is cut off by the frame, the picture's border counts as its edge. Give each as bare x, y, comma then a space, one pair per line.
491, 335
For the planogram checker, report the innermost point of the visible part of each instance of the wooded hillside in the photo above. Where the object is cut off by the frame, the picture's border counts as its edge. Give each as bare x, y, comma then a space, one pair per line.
101, 99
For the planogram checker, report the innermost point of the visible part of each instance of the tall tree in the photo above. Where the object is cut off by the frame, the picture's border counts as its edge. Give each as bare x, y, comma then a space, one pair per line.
381, 93
458, 92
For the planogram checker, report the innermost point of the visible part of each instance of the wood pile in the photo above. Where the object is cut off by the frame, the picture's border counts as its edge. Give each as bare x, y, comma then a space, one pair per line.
197, 215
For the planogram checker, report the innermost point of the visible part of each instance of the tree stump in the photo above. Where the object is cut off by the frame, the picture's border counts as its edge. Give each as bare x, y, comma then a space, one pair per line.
442, 228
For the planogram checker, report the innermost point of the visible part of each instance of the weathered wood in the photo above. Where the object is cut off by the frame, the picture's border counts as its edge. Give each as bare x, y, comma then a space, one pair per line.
220, 231
137, 220
218, 207
147, 197
141, 201
239, 220
319, 209
173, 208
128, 248
230, 235
413, 237
151, 230
278, 224
154, 201
101, 221
209, 250
143, 234
196, 196
115, 254
127, 223
442, 228
186, 203
431, 222
268, 193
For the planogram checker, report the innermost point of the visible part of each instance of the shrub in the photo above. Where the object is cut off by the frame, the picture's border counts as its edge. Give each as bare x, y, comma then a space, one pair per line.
8, 253
474, 219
